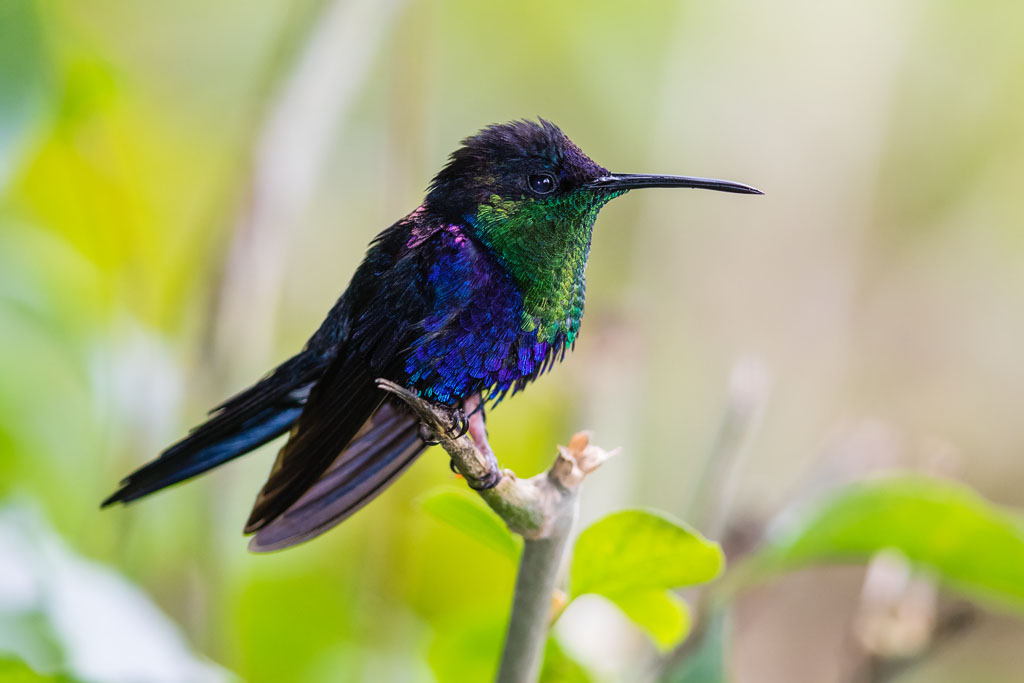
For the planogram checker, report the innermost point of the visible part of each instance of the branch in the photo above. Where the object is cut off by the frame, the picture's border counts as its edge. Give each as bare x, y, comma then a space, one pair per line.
541, 509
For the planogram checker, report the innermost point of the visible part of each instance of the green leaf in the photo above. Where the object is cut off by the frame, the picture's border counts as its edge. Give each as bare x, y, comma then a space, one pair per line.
472, 517
973, 546
634, 549
634, 558
662, 614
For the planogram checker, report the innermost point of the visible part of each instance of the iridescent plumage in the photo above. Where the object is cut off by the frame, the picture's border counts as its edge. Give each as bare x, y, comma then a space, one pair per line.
470, 297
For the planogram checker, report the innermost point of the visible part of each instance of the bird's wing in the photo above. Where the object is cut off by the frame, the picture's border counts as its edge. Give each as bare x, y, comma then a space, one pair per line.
386, 445
389, 298
407, 287
338, 406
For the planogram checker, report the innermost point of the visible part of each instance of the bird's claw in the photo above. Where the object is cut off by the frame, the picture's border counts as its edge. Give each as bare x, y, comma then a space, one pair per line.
488, 482
459, 427
460, 422
428, 436
491, 480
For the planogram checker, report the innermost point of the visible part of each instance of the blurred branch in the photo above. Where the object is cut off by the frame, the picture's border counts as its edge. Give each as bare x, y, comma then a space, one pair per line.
715, 487
290, 149
541, 509
711, 500
950, 623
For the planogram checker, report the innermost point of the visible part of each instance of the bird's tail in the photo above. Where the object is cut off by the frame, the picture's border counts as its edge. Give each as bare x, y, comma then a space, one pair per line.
252, 418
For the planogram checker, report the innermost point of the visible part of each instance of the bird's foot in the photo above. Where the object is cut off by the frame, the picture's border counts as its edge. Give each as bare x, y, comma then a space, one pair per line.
428, 436
462, 420
458, 427
460, 423
489, 481
477, 427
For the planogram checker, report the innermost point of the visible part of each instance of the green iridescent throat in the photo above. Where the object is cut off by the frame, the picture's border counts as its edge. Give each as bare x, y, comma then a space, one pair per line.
543, 244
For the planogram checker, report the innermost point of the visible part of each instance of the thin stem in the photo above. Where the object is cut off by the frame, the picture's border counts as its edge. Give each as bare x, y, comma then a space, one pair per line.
531, 606
715, 487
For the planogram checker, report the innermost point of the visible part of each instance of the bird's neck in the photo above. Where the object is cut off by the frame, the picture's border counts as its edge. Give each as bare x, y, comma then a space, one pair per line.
543, 246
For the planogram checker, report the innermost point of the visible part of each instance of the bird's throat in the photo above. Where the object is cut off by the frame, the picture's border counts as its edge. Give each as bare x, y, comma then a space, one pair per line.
544, 246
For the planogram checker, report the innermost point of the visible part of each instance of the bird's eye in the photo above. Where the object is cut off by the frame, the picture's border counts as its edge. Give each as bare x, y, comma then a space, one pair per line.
542, 183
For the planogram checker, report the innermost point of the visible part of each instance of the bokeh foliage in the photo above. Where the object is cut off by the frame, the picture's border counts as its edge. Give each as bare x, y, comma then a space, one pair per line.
879, 277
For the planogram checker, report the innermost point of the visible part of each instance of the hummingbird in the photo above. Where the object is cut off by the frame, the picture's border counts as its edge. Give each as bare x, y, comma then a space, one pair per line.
466, 300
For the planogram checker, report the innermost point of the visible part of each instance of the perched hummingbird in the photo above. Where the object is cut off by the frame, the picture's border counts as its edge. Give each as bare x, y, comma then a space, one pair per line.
468, 298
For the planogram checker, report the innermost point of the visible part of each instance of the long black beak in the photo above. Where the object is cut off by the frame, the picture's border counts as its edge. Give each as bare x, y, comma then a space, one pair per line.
635, 181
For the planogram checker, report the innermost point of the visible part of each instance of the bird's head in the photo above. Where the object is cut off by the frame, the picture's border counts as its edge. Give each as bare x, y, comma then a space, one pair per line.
526, 164
531, 196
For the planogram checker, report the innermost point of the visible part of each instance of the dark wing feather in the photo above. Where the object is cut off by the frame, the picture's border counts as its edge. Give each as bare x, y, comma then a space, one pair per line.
386, 445
339, 404
250, 419
412, 274
387, 306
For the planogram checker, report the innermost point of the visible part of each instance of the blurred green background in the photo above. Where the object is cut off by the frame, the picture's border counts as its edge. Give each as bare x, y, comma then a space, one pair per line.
186, 187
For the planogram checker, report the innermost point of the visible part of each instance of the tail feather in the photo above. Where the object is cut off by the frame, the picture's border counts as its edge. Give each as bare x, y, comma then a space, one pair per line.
252, 418
385, 446
185, 460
